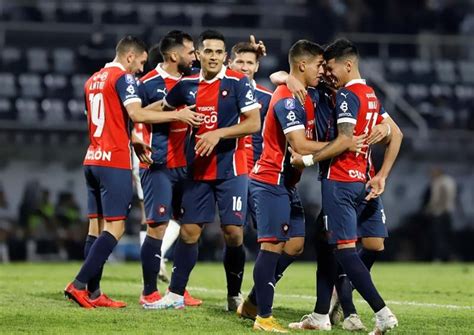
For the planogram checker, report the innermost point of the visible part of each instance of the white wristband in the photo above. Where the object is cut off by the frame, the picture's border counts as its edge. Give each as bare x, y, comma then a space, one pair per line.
389, 130
308, 160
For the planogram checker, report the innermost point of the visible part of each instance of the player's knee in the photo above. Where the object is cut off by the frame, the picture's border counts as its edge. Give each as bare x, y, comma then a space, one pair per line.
233, 235
189, 234
116, 228
156, 230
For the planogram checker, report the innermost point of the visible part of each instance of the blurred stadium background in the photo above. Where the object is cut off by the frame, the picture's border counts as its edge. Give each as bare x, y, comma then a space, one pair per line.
419, 56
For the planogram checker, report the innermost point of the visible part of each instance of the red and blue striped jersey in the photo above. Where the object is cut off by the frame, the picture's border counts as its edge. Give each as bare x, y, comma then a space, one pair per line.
221, 100
285, 114
253, 143
107, 92
356, 103
167, 139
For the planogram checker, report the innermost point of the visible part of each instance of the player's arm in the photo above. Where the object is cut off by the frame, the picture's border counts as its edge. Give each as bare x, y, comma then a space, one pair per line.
249, 108
294, 85
141, 149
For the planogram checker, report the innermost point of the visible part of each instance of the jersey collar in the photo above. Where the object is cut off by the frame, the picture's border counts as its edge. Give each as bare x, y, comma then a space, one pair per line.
115, 64
220, 75
162, 72
355, 81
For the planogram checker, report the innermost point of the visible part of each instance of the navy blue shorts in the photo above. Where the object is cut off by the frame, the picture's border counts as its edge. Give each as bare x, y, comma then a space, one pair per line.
279, 212
109, 192
251, 211
200, 198
162, 190
340, 203
371, 219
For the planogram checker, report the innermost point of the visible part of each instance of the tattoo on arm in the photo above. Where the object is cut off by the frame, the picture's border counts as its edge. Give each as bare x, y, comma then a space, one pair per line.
346, 129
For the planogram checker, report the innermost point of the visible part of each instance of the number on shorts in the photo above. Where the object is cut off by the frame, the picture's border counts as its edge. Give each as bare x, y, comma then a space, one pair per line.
236, 204
97, 113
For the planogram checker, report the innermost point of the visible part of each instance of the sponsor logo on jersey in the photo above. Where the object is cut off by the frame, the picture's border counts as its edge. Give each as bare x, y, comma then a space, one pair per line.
249, 96
131, 89
193, 93
356, 174
99, 155
291, 116
343, 106
210, 119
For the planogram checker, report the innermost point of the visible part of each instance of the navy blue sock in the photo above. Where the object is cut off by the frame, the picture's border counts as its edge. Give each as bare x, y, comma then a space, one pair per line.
264, 280
369, 257
325, 278
185, 257
98, 254
359, 277
283, 262
234, 263
93, 286
150, 255
344, 292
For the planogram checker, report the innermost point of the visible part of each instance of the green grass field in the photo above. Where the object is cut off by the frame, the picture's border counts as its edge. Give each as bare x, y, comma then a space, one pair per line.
427, 299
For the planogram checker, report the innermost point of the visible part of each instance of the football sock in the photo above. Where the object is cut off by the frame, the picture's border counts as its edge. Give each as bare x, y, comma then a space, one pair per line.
283, 262
369, 257
94, 284
185, 257
234, 262
360, 277
326, 274
95, 294
150, 255
98, 254
344, 293
264, 280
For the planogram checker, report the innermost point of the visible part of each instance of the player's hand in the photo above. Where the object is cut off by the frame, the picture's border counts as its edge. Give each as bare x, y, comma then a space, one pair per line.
378, 133
358, 144
189, 116
375, 186
141, 150
297, 88
296, 159
259, 47
207, 142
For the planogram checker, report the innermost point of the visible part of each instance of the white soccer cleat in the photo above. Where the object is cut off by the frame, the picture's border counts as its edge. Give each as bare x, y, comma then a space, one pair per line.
384, 321
353, 323
233, 302
312, 321
169, 301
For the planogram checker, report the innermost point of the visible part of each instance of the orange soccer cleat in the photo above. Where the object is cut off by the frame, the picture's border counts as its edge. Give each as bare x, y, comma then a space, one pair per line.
81, 297
190, 301
104, 301
150, 298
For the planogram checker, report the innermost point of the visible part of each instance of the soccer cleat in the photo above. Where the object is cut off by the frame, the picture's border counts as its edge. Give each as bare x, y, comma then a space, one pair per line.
336, 315
269, 324
247, 310
353, 323
312, 321
384, 321
233, 302
163, 274
104, 301
169, 301
191, 301
150, 298
81, 297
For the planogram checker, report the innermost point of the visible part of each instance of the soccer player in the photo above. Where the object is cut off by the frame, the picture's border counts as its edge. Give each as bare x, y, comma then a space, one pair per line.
111, 101
162, 180
278, 208
217, 166
345, 183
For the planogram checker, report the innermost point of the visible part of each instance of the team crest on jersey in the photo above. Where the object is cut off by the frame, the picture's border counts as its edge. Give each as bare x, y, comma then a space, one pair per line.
249, 95
224, 93
131, 89
291, 116
290, 104
129, 79
285, 228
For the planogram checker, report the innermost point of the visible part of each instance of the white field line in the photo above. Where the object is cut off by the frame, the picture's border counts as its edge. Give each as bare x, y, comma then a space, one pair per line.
312, 298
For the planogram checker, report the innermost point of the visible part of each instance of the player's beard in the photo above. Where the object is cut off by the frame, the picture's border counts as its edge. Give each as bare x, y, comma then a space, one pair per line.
184, 69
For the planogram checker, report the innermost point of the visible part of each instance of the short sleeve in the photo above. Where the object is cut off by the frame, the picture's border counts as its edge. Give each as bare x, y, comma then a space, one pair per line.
175, 96
246, 95
347, 106
290, 114
382, 115
127, 89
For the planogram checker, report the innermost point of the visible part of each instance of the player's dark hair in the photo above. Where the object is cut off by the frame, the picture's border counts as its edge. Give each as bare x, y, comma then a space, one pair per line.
154, 56
173, 39
210, 35
340, 49
304, 49
242, 47
129, 43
